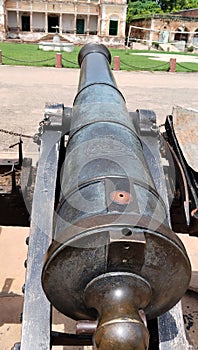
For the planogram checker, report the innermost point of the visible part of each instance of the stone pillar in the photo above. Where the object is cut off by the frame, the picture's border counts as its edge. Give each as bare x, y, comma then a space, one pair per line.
59, 60
75, 17
61, 24
18, 20
98, 26
116, 63
151, 33
31, 22
190, 39
103, 23
46, 23
123, 22
2, 20
172, 65
104, 27
88, 20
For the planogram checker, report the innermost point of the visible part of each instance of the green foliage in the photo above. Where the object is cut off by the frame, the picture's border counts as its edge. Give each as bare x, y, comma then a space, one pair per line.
150, 7
142, 8
176, 5
190, 4
190, 49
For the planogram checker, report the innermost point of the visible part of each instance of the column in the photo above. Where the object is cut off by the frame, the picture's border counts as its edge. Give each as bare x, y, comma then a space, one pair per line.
18, 21
122, 26
18, 17
61, 23
98, 26
190, 39
31, 17
75, 17
46, 18
87, 29
3, 20
103, 27
151, 33
31, 22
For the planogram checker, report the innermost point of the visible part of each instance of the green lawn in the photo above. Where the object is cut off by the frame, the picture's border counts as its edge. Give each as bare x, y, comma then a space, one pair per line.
30, 55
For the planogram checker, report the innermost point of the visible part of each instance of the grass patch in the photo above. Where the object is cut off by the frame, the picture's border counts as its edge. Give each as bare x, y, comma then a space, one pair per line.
30, 55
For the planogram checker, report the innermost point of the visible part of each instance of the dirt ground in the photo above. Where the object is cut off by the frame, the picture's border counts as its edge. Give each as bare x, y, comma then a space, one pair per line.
23, 94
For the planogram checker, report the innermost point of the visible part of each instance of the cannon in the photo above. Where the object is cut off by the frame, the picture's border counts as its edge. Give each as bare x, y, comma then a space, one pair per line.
101, 221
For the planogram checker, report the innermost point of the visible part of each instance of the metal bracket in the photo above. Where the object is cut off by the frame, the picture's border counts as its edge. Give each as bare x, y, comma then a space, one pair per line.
171, 329
36, 325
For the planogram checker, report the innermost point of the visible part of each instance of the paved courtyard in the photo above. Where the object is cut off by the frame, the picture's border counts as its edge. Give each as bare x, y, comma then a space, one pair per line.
166, 57
25, 90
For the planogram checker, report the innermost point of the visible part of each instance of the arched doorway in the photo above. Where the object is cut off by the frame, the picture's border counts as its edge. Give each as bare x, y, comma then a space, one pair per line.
195, 38
164, 34
181, 34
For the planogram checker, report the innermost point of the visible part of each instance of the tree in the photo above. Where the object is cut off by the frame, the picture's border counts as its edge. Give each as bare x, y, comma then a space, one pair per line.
169, 5
142, 8
191, 4
150, 7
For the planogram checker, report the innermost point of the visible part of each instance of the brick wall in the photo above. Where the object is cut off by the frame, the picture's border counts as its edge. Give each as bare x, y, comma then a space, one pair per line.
170, 23
188, 13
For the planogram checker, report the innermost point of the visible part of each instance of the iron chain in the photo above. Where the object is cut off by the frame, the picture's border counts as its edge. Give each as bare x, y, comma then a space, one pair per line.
15, 133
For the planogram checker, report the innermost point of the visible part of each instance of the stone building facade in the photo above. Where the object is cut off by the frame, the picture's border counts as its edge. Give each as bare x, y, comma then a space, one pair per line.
171, 28
78, 21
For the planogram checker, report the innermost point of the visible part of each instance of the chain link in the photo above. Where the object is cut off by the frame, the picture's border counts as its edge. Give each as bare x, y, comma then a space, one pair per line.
23, 61
66, 60
188, 69
16, 134
145, 68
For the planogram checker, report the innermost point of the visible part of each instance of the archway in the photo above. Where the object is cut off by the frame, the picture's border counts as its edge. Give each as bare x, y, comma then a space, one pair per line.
164, 34
181, 34
195, 38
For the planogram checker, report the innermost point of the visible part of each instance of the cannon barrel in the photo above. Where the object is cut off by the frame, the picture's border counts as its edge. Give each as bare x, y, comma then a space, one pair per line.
113, 252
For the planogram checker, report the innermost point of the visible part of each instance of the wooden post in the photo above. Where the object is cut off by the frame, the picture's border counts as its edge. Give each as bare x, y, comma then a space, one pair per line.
59, 60
116, 63
172, 68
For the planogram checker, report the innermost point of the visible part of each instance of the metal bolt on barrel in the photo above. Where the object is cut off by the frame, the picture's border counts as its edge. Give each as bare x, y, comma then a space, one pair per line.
113, 252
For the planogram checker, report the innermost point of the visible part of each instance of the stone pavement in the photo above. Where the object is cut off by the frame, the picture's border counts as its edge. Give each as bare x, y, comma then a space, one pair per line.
25, 90
23, 94
166, 57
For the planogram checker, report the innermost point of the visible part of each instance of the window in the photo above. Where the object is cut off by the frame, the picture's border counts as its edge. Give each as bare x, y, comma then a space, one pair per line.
80, 26
113, 27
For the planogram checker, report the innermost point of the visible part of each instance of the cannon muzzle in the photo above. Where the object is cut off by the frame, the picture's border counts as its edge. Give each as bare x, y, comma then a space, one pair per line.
113, 252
